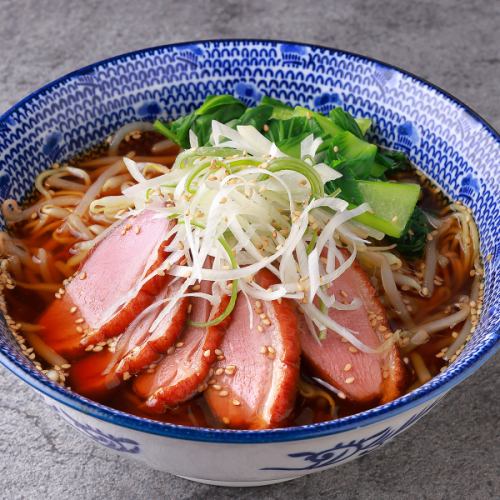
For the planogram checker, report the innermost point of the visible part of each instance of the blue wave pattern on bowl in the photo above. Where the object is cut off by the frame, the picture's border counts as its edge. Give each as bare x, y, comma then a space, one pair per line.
342, 452
441, 136
115, 443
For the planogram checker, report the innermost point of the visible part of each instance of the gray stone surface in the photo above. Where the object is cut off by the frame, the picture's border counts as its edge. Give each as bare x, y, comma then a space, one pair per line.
454, 451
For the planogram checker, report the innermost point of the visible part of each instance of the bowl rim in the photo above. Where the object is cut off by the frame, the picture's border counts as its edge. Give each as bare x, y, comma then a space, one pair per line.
433, 390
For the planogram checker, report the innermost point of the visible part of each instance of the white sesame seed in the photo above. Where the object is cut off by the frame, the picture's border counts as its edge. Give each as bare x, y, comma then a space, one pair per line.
230, 369
207, 353
349, 380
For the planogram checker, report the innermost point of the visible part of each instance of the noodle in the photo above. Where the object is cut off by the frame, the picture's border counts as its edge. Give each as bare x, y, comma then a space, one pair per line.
162, 146
420, 367
122, 132
393, 294
43, 350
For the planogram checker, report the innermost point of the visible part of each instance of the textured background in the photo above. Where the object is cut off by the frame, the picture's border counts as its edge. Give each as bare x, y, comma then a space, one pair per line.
454, 451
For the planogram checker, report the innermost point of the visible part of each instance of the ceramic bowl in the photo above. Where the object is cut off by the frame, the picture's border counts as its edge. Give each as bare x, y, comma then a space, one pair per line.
441, 135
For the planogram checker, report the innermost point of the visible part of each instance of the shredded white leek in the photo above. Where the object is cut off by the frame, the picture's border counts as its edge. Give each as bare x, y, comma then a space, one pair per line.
270, 211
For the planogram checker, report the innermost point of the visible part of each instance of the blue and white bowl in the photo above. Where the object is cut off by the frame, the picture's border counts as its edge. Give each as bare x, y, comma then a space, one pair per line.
442, 136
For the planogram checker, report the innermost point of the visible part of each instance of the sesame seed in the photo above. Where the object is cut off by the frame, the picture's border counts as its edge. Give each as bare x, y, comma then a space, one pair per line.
79, 329
352, 349
259, 327
349, 380
223, 393
98, 348
196, 288
89, 347
83, 275
230, 369
171, 350
220, 357
207, 353
126, 376
218, 352
57, 295
216, 387
271, 350
219, 371
137, 229
341, 395
258, 304
73, 310
53, 375
179, 344
236, 402
347, 367
79, 321
263, 349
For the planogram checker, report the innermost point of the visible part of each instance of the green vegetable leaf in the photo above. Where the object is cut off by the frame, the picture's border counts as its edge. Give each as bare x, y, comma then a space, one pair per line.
256, 117
412, 242
281, 111
215, 103
223, 108
364, 124
345, 121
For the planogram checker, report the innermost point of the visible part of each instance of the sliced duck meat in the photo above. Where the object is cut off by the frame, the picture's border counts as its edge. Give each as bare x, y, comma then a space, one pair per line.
363, 378
87, 376
254, 386
104, 297
179, 375
142, 347
98, 373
